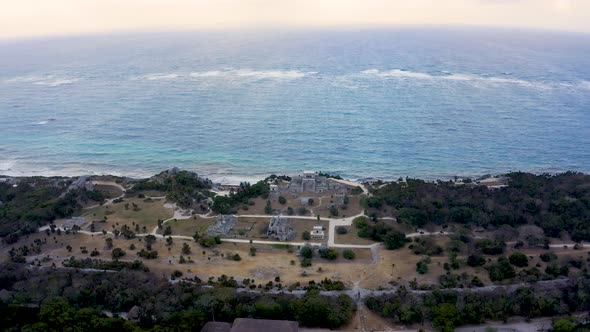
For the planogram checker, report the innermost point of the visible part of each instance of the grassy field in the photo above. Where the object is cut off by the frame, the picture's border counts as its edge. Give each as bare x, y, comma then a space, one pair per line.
189, 226
351, 236
146, 214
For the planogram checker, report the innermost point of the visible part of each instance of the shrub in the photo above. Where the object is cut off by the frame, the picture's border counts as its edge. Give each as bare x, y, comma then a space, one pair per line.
341, 230
519, 259
306, 252
501, 270
282, 200
306, 236
117, 253
306, 262
236, 257
475, 260
348, 254
329, 254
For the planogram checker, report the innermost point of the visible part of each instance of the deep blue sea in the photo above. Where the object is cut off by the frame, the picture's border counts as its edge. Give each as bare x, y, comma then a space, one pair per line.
426, 102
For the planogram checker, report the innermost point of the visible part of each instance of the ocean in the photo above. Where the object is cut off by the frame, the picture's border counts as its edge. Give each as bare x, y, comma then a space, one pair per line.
429, 102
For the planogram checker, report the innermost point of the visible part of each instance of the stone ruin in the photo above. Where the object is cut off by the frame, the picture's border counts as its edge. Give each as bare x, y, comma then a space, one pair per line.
280, 228
74, 221
312, 182
222, 226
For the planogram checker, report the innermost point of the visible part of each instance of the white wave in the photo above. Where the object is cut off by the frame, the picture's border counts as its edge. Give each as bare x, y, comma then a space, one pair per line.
212, 73
398, 73
270, 73
21, 79
585, 85
41, 122
6, 165
159, 76
251, 73
56, 82
46, 80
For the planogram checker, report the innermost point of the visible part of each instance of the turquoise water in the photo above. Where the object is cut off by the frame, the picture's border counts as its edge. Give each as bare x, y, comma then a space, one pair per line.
430, 103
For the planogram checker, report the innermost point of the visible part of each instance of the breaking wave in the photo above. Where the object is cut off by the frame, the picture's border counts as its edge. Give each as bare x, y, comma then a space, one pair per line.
48, 80
251, 73
447, 76
159, 76
56, 82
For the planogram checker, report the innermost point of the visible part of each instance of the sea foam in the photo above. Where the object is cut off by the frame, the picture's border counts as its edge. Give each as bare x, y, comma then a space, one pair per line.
251, 73
405, 74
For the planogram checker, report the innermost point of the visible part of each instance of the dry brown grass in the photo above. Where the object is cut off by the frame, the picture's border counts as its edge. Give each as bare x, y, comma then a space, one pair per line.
351, 237
147, 215
189, 226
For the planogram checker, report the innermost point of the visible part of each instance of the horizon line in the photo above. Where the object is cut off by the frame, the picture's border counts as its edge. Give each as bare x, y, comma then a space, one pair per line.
292, 28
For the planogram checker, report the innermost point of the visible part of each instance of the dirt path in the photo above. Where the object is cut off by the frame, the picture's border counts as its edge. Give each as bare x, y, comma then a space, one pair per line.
111, 200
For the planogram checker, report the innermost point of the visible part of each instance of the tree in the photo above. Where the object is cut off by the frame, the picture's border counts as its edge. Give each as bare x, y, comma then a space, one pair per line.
519, 259
306, 252
236, 257
328, 253
341, 230
475, 260
501, 270
252, 251
268, 208
109, 242
333, 211
167, 230
564, 325
306, 236
445, 317
348, 254
117, 253
282, 200
394, 240
186, 249
149, 240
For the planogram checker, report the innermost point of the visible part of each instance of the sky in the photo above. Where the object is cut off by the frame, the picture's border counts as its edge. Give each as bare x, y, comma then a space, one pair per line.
32, 18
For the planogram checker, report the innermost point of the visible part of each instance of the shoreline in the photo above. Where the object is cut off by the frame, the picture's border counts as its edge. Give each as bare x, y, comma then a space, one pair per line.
236, 179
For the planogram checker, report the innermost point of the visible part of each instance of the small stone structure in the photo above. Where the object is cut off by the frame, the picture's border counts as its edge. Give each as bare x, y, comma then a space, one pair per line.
82, 182
274, 190
222, 226
312, 182
317, 233
280, 228
74, 221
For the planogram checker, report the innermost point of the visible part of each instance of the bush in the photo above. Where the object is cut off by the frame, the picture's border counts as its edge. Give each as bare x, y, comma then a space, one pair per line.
348, 254
282, 200
117, 253
236, 257
329, 254
306, 236
475, 260
341, 230
333, 211
519, 259
306, 252
548, 256
501, 270
306, 262
491, 247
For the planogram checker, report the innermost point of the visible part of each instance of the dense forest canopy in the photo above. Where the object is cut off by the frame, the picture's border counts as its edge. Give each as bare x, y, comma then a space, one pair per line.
449, 309
35, 201
75, 300
556, 203
185, 188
